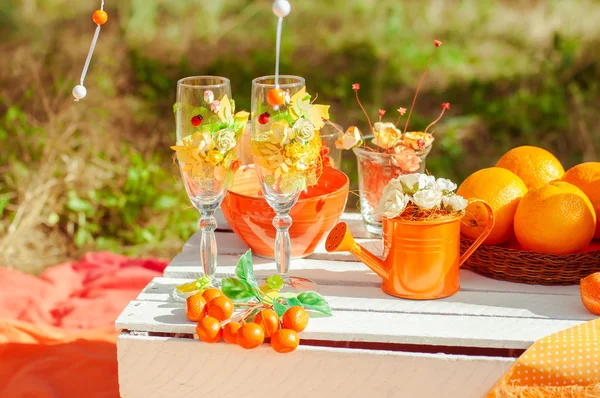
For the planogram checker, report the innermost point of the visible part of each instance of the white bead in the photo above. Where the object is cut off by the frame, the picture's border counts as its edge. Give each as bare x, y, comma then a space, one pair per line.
79, 92
281, 8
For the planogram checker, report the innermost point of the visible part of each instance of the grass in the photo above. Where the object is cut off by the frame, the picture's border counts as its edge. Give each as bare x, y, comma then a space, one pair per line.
99, 174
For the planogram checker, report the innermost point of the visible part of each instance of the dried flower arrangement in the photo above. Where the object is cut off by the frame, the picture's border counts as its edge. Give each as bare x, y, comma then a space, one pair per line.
387, 138
420, 197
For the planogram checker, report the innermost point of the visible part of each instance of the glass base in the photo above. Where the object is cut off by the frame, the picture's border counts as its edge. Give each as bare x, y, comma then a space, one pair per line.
182, 296
295, 284
375, 229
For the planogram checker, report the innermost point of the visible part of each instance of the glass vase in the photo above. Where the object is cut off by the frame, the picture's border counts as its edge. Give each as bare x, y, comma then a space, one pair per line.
375, 170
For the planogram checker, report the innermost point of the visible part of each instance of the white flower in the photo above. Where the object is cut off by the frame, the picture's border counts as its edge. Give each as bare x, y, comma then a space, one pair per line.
349, 139
393, 204
286, 97
225, 140
203, 142
215, 106
428, 199
394, 186
304, 130
410, 181
282, 133
445, 185
455, 203
426, 181
209, 96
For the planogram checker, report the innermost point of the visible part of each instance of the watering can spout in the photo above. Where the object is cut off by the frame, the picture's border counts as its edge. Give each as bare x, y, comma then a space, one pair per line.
340, 239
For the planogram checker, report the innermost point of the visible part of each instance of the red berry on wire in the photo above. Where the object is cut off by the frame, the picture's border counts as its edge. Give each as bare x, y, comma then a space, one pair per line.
197, 120
263, 118
276, 97
100, 17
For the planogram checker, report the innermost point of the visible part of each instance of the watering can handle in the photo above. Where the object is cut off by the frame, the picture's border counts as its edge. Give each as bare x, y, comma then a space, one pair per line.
484, 234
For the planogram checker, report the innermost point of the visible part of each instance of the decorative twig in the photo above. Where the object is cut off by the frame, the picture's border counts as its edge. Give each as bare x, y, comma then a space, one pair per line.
445, 107
437, 44
356, 87
401, 112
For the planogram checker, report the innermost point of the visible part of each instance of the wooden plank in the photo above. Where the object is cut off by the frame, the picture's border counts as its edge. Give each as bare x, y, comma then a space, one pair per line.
361, 298
351, 273
373, 326
169, 367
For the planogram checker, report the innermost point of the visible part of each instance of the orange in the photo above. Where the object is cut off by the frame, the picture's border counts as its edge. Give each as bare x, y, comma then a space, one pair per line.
285, 340
586, 176
209, 330
230, 332
250, 335
195, 307
220, 308
502, 190
556, 218
295, 318
536, 166
590, 292
268, 320
211, 293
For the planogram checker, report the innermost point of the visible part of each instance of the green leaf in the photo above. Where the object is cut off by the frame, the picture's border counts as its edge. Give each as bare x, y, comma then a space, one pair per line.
79, 205
314, 301
280, 307
294, 302
275, 282
237, 290
245, 270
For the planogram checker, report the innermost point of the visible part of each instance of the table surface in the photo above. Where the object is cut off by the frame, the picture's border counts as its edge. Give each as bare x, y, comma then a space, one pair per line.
484, 314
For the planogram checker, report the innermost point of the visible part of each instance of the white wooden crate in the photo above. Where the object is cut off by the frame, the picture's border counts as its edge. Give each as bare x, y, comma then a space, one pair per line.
374, 345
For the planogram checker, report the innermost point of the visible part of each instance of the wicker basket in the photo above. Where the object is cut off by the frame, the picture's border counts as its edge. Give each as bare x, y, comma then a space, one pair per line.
530, 267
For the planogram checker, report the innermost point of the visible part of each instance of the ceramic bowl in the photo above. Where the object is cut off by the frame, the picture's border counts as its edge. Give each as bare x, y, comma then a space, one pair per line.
317, 211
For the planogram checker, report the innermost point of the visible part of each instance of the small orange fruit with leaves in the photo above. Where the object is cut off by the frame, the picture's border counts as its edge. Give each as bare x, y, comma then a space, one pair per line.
295, 318
285, 340
268, 320
211, 293
230, 332
221, 308
590, 292
195, 307
250, 335
209, 330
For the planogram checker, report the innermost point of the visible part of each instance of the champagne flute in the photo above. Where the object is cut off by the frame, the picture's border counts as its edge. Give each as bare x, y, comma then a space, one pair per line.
286, 147
207, 134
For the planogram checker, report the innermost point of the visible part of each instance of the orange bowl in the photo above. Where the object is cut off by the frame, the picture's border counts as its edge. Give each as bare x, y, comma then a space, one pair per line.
317, 211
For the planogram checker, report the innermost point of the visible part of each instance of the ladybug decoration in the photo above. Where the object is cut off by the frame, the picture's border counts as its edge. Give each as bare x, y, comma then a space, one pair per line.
197, 120
263, 118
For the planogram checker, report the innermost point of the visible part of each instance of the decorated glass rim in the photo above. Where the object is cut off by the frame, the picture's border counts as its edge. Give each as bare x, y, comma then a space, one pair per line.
360, 151
209, 82
340, 173
285, 81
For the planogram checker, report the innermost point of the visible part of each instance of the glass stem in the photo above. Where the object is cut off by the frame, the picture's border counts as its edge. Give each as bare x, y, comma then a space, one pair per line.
282, 223
208, 244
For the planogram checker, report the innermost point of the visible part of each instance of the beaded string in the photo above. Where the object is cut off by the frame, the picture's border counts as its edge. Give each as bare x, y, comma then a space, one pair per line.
99, 17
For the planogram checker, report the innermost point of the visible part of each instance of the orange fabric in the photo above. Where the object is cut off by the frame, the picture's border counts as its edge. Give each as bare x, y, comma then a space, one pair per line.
57, 335
565, 364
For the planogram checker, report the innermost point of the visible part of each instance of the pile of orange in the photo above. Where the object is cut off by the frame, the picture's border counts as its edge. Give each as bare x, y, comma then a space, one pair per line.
213, 311
537, 206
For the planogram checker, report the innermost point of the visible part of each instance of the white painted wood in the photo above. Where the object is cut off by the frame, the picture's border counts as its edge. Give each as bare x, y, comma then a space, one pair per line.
187, 265
361, 298
171, 367
374, 326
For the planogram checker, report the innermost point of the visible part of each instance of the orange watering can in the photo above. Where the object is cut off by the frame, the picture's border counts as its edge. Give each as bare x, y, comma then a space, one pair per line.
421, 258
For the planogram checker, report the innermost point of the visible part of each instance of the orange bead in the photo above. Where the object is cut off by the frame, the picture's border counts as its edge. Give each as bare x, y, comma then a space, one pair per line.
100, 17
276, 97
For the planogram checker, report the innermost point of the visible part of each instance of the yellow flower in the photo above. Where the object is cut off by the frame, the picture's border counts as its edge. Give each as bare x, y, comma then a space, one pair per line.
386, 135
281, 133
294, 150
300, 106
418, 140
213, 157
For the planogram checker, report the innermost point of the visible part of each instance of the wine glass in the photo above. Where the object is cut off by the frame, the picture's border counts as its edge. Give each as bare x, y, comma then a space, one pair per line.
286, 146
207, 134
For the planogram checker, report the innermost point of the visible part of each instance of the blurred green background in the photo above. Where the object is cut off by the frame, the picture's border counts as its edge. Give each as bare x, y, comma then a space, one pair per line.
98, 174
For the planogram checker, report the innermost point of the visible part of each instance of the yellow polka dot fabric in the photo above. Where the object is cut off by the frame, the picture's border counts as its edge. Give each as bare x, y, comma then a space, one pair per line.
565, 364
